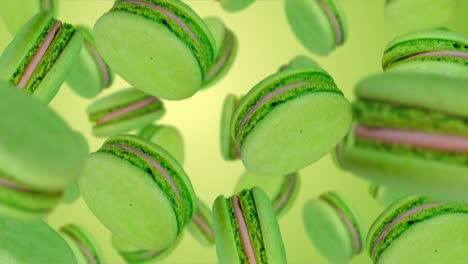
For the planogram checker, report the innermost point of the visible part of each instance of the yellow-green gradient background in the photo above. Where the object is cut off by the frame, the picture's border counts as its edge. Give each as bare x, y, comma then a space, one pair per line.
265, 43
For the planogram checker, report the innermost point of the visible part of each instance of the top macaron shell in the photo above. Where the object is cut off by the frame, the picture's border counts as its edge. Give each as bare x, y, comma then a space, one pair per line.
235, 5
16, 13
167, 137
228, 148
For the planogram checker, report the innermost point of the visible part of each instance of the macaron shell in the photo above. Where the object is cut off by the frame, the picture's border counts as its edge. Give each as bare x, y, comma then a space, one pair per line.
425, 35
229, 107
72, 193
16, 13
197, 232
445, 68
218, 31
170, 139
300, 62
78, 252
235, 5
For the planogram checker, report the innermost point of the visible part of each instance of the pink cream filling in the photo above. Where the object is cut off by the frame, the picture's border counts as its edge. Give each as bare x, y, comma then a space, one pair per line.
11, 185
243, 231
224, 59
285, 197
127, 109
334, 20
85, 251
203, 225
100, 62
47, 4
441, 53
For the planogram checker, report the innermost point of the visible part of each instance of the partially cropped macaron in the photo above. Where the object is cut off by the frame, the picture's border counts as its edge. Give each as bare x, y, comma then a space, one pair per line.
40, 155
167, 137
123, 111
41, 55
138, 191
298, 62
83, 244
16, 13
333, 227
201, 226
71, 193
282, 190
235, 5
420, 230
226, 44
320, 25
90, 74
246, 229
290, 120
178, 50
431, 51
32, 242
385, 195
227, 143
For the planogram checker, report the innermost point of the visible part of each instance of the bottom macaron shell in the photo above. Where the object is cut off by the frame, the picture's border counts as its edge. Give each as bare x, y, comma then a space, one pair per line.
126, 125
128, 202
441, 239
226, 249
235, 5
450, 69
296, 133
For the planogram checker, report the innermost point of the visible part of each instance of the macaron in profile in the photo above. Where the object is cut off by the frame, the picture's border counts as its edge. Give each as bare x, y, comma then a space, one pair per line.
167, 137
290, 120
385, 195
201, 226
15, 13
90, 74
40, 155
178, 50
246, 229
227, 143
83, 244
235, 5
319, 25
41, 55
123, 111
420, 230
333, 227
138, 191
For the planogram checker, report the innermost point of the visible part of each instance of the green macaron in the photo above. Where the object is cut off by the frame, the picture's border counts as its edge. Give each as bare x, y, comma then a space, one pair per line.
420, 230
228, 145
32, 242
90, 74
282, 190
138, 191
235, 5
298, 62
40, 155
167, 137
15, 13
226, 43
290, 120
385, 195
178, 50
201, 226
72, 193
124, 111
41, 55
319, 25
246, 229
432, 51
83, 245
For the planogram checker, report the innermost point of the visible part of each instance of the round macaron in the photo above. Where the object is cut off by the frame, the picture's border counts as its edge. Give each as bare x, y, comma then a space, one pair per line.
418, 230
246, 229
40, 155
320, 25
41, 55
226, 43
282, 190
290, 120
124, 111
72, 193
432, 51
235, 5
333, 227
138, 191
167, 137
228, 145
178, 50
32, 242
298, 62
90, 74
15, 13
385, 195
201, 226
83, 245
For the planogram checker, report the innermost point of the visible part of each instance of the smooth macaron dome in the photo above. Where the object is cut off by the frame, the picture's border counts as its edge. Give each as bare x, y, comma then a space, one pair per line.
83, 245
16, 13
419, 230
138, 191
235, 5
319, 25
41, 55
289, 120
201, 226
246, 229
182, 48
167, 137
228, 145
40, 155
385, 195
123, 111
300, 61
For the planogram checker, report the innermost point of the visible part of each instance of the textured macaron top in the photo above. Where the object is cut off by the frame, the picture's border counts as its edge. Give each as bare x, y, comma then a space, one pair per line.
335, 14
84, 242
181, 20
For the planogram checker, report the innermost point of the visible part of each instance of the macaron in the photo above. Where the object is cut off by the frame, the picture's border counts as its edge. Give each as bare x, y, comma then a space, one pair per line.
320, 26
246, 229
40, 155
290, 120
123, 111
420, 230
90, 74
298, 62
138, 191
281, 190
178, 50
32, 242
16, 13
226, 44
333, 227
228, 145
41, 55
167, 137
385, 195
235, 5
83, 245
201, 226
72, 193
432, 51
